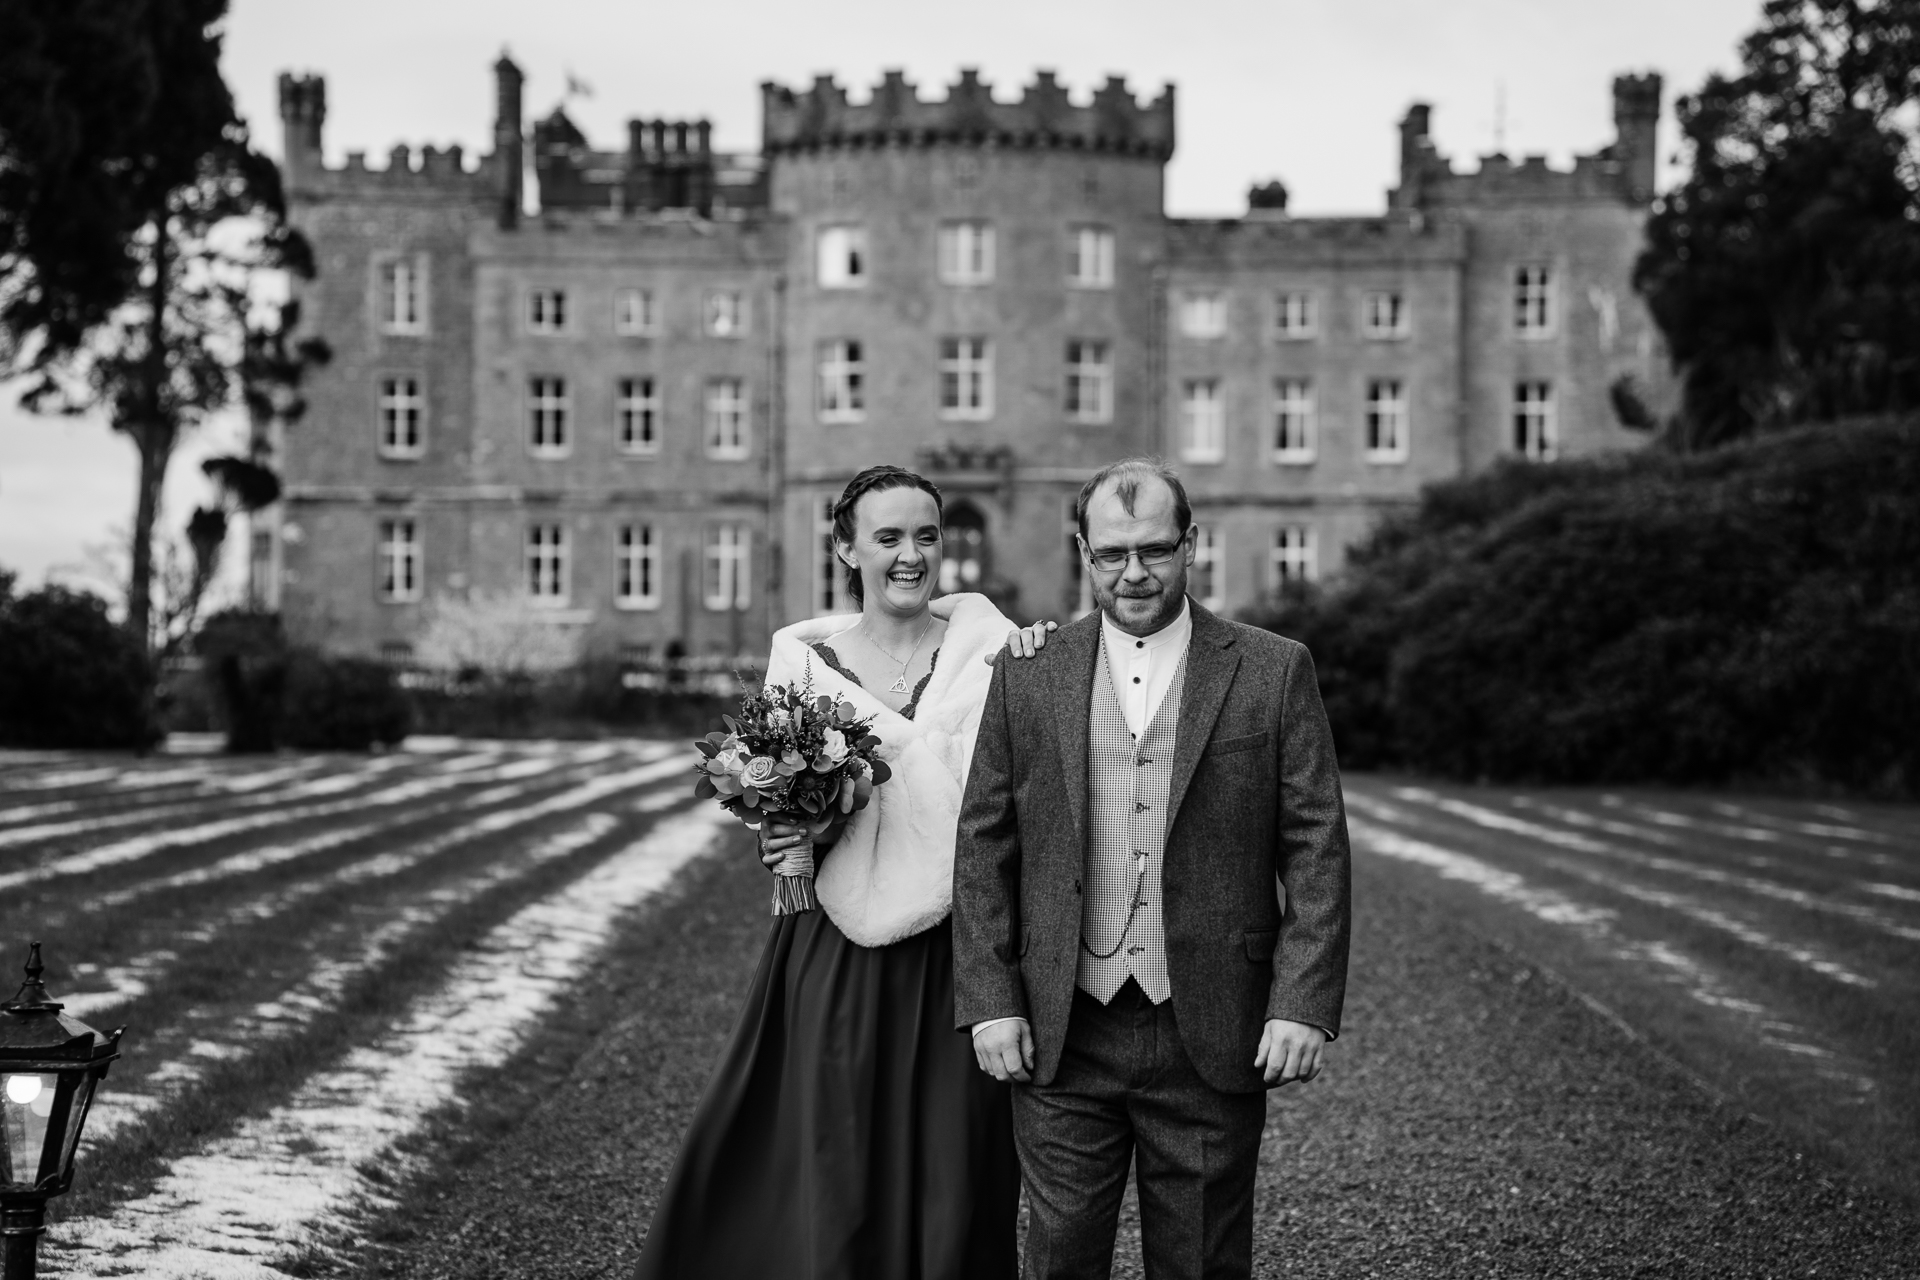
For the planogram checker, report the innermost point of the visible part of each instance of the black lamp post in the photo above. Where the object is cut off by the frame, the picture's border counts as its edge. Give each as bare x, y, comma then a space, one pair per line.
49, 1067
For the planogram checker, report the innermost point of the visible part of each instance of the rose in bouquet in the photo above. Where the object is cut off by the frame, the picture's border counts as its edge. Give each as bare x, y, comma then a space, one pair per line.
796, 758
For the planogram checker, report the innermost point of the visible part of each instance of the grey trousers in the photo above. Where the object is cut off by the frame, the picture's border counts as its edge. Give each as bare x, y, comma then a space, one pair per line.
1125, 1091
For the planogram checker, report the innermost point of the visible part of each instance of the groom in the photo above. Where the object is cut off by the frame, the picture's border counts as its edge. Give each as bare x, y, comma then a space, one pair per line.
1137, 791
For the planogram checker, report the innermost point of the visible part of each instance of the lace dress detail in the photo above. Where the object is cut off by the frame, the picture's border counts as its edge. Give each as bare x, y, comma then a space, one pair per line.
825, 650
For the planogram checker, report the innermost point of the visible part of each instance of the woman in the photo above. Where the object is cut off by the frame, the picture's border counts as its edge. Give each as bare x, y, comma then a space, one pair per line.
847, 1133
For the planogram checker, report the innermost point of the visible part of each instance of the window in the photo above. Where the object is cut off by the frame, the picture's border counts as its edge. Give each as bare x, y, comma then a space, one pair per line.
1293, 558
1386, 421
1532, 302
1209, 568
636, 411
399, 565
1293, 428
1090, 258
842, 257
1089, 382
727, 419
843, 391
726, 314
1204, 315
966, 378
402, 415
633, 313
638, 584
828, 594
1203, 422
546, 310
547, 577
1383, 315
1536, 434
403, 295
1294, 316
549, 410
725, 584
966, 252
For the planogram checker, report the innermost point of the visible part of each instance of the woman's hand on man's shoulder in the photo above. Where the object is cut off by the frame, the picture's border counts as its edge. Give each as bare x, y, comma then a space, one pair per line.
1024, 642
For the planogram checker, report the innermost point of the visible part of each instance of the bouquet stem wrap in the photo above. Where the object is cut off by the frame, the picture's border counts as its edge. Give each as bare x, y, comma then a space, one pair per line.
793, 895
793, 885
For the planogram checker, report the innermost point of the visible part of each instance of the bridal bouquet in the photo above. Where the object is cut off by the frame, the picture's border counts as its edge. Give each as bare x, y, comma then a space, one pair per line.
791, 757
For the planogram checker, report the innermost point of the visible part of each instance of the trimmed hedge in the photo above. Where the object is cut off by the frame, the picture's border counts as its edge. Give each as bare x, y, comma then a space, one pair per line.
271, 694
1752, 613
590, 700
70, 676
341, 704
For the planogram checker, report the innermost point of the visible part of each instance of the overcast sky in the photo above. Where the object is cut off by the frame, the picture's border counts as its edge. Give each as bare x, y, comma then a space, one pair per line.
1306, 92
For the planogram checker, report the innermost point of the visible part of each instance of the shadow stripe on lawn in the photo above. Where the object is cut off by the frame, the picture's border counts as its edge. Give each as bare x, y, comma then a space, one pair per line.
145, 845
1745, 931
175, 1058
1598, 925
245, 1196
1759, 886
140, 975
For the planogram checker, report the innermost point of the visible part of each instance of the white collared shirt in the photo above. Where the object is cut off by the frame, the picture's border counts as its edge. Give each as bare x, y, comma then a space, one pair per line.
1142, 667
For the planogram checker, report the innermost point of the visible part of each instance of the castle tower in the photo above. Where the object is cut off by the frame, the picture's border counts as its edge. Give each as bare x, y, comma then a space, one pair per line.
989, 267
303, 113
1636, 120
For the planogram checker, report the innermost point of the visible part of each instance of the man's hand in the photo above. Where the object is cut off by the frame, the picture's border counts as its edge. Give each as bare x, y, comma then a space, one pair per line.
1289, 1051
1005, 1051
1025, 641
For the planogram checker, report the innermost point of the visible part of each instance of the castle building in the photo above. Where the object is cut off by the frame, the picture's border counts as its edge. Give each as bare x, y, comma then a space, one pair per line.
631, 398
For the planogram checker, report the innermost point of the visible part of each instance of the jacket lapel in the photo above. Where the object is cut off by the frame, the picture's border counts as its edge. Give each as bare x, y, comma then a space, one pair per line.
1211, 662
1072, 706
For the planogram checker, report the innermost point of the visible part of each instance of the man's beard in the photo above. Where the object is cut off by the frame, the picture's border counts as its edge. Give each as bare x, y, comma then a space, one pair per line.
1163, 597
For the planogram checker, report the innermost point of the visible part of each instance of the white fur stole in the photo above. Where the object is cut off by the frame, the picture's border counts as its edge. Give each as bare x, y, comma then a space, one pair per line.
890, 876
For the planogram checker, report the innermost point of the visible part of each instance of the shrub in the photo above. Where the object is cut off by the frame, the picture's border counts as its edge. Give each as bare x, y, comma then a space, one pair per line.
1751, 613
341, 704
69, 676
243, 662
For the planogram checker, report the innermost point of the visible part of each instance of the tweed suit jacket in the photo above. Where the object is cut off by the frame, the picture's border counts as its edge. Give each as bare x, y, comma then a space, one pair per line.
1255, 796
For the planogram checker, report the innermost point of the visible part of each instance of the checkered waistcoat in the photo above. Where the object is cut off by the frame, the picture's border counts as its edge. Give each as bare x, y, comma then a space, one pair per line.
1127, 789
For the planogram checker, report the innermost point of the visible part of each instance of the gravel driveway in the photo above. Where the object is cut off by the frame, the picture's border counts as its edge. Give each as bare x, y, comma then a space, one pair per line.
1479, 1119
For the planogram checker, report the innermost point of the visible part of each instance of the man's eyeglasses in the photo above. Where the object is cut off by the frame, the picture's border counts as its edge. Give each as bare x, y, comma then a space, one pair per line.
1156, 554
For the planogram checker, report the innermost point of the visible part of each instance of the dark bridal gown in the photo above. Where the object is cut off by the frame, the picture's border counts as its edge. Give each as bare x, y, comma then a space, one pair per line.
847, 1133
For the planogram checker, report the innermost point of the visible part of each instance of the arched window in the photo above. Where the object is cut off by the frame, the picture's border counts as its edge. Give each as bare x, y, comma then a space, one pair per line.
967, 562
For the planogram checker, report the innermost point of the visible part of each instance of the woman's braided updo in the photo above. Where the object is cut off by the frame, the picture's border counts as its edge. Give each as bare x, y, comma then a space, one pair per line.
874, 480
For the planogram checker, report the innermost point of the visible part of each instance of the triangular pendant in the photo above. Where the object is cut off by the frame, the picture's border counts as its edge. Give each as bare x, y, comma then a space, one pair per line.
900, 685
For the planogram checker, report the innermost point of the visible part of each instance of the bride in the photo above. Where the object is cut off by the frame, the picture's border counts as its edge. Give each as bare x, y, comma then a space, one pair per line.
847, 1133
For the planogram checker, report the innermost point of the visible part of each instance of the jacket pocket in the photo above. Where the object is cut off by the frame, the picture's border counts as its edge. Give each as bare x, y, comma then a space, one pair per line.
1026, 937
1260, 943
1228, 746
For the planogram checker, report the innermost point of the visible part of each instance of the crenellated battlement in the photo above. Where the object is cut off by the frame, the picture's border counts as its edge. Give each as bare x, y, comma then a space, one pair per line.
1622, 171
433, 173
1044, 116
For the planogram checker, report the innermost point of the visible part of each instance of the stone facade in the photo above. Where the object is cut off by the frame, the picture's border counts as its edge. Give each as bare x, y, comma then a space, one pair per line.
635, 403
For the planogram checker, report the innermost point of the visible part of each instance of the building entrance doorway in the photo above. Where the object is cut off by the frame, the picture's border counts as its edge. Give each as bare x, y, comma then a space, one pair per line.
967, 561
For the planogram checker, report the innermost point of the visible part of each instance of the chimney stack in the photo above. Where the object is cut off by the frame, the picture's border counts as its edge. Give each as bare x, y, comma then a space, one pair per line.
507, 153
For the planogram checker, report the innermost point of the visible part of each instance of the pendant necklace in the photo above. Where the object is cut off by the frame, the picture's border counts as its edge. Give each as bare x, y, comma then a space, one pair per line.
900, 685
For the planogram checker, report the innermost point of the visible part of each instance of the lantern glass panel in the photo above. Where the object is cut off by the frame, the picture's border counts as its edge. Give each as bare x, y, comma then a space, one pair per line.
26, 1105
76, 1117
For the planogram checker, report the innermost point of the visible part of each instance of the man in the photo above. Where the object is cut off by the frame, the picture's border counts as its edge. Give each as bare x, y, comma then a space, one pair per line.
1120, 951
